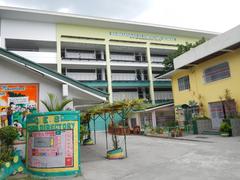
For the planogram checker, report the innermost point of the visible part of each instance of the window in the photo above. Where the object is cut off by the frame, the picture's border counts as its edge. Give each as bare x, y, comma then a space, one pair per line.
217, 72
183, 83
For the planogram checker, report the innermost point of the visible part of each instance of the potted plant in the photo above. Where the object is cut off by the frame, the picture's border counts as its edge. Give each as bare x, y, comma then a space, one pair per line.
179, 132
173, 132
225, 129
8, 135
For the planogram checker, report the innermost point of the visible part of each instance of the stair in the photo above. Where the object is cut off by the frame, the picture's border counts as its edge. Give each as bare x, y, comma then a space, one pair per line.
211, 132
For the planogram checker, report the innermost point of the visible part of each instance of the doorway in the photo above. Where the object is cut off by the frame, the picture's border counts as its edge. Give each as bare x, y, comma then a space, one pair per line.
217, 114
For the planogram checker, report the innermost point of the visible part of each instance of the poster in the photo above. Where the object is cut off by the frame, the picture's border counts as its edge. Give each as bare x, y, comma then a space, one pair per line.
51, 149
23, 98
22, 95
51, 142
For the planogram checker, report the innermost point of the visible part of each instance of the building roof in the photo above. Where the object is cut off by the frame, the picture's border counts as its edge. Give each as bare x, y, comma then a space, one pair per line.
225, 42
158, 106
57, 17
52, 74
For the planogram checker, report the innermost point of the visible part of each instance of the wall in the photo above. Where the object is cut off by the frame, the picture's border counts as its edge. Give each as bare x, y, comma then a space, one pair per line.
209, 91
10, 73
28, 30
83, 31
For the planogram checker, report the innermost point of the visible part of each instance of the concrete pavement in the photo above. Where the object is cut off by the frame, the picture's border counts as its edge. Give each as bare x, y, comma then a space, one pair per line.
152, 158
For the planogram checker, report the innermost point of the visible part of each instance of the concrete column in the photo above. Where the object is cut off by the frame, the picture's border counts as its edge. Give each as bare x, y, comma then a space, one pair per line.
59, 58
154, 121
109, 73
3, 42
103, 74
150, 75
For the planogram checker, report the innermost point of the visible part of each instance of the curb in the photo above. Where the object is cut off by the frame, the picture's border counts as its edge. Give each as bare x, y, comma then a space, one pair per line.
180, 139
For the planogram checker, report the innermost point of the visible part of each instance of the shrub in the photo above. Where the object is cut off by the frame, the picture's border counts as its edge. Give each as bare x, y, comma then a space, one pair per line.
172, 123
8, 135
225, 127
159, 130
201, 118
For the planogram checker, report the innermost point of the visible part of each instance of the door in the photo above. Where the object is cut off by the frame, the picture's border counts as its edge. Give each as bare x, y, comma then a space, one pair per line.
217, 115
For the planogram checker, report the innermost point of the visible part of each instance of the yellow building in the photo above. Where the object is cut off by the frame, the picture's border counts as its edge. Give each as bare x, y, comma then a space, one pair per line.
205, 73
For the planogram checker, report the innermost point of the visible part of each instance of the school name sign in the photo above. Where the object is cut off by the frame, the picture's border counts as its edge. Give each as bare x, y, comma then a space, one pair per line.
143, 36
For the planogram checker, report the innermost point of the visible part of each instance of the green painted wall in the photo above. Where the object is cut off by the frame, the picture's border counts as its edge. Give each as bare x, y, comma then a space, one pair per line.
161, 84
100, 123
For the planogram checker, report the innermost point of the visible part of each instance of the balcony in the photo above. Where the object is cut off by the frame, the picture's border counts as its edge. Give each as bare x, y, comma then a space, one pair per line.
38, 57
135, 84
117, 96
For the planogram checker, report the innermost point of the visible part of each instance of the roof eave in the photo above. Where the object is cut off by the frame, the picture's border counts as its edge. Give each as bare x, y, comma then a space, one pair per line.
27, 63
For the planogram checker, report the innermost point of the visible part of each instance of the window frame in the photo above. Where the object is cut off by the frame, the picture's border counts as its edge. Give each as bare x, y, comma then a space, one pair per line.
182, 86
222, 72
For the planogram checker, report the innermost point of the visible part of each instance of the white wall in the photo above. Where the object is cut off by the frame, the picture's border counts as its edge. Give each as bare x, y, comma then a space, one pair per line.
10, 73
162, 95
28, 30
82, 76
117, 96
123, 57
38, 57
124, 76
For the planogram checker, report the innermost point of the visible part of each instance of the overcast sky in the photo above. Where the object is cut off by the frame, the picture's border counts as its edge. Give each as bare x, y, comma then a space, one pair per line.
210, 15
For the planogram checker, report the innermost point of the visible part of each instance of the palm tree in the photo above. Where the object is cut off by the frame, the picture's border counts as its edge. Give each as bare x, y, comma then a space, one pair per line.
54, 104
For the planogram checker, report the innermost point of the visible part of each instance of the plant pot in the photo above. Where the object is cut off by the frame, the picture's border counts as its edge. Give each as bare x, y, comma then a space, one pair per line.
115, 154
225, 134
88, 142
173, 134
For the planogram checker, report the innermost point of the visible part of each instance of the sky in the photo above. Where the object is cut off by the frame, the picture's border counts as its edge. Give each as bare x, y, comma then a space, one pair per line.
209, 15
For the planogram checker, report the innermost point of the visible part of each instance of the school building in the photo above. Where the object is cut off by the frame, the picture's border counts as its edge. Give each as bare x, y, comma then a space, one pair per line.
119, 57
209, 75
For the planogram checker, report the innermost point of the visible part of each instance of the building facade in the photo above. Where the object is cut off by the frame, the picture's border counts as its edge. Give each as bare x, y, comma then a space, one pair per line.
121, 58
209, 75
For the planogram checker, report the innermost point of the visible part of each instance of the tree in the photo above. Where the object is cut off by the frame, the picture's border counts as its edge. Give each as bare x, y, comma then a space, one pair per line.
54, 104
181, 49
105, 111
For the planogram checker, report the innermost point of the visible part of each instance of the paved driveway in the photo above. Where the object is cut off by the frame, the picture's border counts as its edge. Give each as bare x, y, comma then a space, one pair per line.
152, 158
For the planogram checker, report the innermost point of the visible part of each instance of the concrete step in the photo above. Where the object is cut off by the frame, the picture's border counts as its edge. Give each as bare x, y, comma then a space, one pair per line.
211, 132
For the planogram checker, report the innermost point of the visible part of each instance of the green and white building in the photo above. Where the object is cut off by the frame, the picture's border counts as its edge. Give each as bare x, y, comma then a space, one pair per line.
119, 57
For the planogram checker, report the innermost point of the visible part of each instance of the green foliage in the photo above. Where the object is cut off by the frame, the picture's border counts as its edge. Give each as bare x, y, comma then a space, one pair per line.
8, 135
122, 108
172, 123
83, 132
192, 103
53, 104
6, 155
181, 49
159, 130
225, 127
200, 118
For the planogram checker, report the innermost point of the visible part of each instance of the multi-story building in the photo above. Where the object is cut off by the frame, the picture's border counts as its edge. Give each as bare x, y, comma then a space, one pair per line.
119, 57
209, 75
